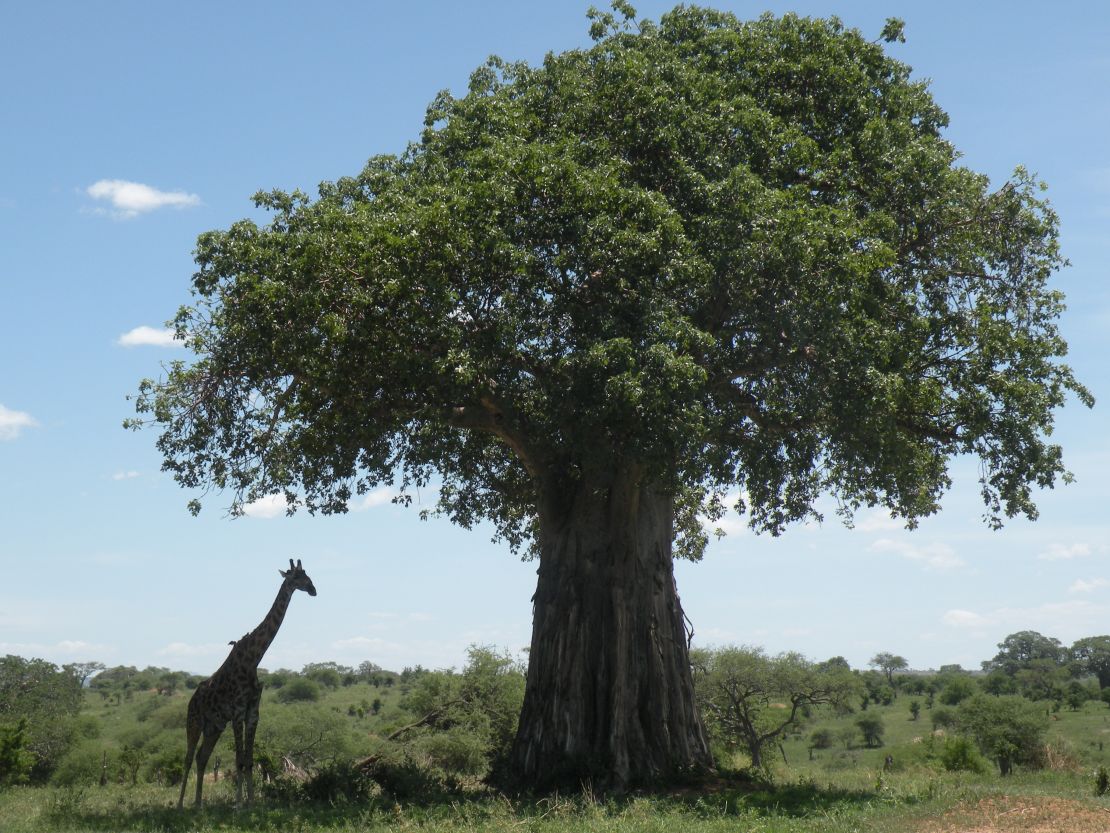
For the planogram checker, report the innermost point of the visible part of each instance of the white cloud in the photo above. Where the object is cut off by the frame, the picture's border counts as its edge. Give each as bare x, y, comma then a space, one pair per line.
148, 337
372, 499
1062, 552
1077, 616
1088, 585
877, 521
130, 199
933, 556
125, 475
266, 507
965, 619
12, 422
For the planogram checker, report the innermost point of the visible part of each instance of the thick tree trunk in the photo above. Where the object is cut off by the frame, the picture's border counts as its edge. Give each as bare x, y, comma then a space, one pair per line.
610, 696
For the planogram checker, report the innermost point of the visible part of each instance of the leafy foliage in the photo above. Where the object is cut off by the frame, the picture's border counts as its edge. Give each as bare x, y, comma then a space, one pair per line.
751, 699
38, 703
735, 255
1008, 729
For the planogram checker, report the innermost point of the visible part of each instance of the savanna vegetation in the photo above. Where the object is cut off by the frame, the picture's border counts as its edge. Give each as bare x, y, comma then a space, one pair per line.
796, 744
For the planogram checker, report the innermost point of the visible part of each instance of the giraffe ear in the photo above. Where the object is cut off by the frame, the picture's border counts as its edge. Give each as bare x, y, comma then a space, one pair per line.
282, 573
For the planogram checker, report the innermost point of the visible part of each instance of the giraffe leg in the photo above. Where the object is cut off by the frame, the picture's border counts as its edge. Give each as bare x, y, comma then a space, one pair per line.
248, 748
237, 728
192, 735
206, 747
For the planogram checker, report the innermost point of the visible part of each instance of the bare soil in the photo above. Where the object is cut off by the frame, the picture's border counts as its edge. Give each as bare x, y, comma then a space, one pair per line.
1022, 814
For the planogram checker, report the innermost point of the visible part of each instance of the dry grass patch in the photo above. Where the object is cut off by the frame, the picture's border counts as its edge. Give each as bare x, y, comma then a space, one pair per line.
1022, 814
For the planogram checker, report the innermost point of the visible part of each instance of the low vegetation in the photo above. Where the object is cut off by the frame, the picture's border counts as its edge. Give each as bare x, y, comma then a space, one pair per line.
799, 745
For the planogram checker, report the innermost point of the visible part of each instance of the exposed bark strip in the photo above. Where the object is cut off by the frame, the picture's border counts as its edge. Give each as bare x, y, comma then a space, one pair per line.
610, 695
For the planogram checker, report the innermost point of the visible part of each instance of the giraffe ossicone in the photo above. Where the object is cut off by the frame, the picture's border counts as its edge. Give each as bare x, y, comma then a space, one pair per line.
233, 693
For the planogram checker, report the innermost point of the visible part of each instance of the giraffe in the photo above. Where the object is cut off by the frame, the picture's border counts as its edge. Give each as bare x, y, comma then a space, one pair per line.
233, 693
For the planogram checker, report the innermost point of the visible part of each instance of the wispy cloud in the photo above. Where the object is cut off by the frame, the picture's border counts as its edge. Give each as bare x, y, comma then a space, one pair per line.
145, 336
130, 199
1088, 585
125, 475
877, 521
933, 556
1074, 616
1064, 552
13, 422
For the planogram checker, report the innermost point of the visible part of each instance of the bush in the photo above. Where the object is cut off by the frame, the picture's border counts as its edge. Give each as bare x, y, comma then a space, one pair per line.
872, 728
300, 690
960, 755
82, 766
821, 739
336, 782
457, 750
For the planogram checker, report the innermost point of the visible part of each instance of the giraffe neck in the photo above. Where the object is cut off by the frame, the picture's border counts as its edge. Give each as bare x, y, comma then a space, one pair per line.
255, 643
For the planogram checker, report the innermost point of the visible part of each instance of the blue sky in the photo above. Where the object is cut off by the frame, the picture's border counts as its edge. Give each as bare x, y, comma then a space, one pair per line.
129, 128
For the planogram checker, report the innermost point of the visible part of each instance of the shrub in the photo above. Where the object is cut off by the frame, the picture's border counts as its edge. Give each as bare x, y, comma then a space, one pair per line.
872, 728
336, 782
300, 690
82, 766
1009, 729
821, 739
960, 755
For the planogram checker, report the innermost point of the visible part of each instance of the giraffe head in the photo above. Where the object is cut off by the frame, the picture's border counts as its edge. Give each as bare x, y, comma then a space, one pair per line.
297, 577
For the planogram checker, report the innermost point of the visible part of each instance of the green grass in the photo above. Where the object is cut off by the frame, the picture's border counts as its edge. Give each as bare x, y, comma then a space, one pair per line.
836, 791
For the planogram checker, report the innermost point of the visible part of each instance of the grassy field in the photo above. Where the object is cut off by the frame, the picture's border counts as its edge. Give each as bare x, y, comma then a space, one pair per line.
835, 790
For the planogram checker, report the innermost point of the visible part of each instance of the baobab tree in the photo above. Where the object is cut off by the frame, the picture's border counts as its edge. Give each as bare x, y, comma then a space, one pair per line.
701, 257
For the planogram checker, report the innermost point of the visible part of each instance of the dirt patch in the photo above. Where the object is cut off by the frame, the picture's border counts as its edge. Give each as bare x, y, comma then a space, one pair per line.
1022, 814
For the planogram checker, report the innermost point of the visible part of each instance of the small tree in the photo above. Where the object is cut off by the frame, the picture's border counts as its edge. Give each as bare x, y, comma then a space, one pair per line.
872, 728
915, 709
957, 689
888, 663
1008, 729
753, 699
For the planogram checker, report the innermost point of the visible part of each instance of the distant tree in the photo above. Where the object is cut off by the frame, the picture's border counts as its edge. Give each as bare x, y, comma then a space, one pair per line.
915, 709
1093, 657
954, 668
888, 663
821, 739
943, 718
1042, 679
740, 689
957, 688
998, 682
327, 674
1076, 695
301, 689
1008, 729
1019, 650
834, 664
848, 735
872, 728
82, 671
